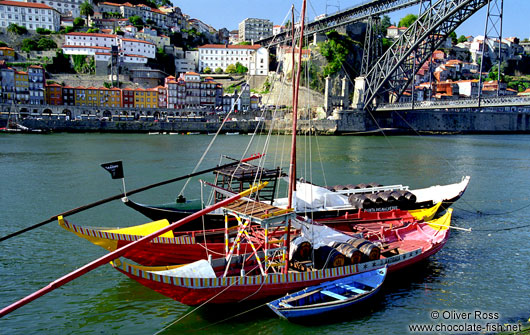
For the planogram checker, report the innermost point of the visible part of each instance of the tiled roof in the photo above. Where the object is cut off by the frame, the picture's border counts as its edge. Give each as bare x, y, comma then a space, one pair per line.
25, 4
224, 46
92, 34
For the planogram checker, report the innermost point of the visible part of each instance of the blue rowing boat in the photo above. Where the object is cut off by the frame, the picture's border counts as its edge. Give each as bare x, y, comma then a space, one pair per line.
329, 296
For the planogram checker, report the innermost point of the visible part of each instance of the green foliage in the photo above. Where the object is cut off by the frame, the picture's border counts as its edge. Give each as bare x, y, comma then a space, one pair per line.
28, 45
244, 43
112, 15
86, 10
150, 22
240, 68
68, 30
218, 70
408, 20
60, 64
385, 23
164, 61
41, 43
136, 21
386, 44
93, 30
107, 84
16, 29
46, 44
335, 50
231, 69
78, 22
462, 39
207, 70
453, 37
43, 31
81, 65
3, 44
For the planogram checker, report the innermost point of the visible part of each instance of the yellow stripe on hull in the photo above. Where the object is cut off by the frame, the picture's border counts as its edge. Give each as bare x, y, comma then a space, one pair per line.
107, 238
425, 214
442, 223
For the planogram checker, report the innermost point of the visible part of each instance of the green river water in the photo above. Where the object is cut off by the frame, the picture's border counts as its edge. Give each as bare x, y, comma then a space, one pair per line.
487, 270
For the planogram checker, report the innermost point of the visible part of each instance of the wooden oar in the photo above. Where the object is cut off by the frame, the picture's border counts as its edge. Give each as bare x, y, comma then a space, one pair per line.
121, 195
121, 251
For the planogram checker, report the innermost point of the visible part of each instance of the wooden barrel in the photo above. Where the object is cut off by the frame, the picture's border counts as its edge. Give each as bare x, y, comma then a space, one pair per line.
328, 257
376, 199
301, 249
352, 254
410, 197
340, 187
388, 198
360, 201
399, 196
366, 247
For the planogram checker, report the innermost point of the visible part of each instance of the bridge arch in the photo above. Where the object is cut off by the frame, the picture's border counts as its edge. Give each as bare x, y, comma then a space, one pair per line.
397, 67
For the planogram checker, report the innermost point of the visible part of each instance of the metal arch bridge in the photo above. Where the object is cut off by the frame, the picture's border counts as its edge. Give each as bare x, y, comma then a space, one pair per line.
394, 71
485, 102
342, 18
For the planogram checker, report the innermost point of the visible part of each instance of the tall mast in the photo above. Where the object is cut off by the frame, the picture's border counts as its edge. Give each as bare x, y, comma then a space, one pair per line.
292, 167
296, 85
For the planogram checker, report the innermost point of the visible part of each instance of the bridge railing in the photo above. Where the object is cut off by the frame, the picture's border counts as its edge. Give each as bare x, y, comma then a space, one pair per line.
505, 101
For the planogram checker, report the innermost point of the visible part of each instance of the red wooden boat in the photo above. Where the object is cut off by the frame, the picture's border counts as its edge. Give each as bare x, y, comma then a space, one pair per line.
176, 247
246, 277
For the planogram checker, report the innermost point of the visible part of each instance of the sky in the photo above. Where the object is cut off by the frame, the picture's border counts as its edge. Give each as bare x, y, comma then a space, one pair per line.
228, 14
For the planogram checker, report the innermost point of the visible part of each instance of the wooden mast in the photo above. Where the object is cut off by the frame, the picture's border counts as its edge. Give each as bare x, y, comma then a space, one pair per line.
296, 88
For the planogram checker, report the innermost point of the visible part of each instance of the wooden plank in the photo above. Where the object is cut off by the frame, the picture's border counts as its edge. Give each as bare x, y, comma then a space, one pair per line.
353, 289
333, 295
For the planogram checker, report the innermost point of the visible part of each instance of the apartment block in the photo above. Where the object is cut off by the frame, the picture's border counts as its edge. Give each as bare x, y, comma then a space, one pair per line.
252, 29
29, 15
254, 57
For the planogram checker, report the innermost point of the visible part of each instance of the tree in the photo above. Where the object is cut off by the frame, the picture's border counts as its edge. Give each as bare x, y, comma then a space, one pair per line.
231, 69
78, 22
16, 29
28, 45
87, 10
207, 70
408, 20
218, 70
453, 37
46, 44
385, 23
136, 21
240, 68
462, 39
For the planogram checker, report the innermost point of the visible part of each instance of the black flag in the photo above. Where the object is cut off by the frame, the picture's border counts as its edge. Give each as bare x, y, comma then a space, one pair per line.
115, 169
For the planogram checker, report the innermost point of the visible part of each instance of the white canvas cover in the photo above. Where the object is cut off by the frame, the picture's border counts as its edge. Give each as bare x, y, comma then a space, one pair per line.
198, 269
320, 236
312, 197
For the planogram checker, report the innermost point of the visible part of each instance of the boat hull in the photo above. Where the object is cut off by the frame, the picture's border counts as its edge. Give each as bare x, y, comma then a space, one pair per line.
315, 300
415, 241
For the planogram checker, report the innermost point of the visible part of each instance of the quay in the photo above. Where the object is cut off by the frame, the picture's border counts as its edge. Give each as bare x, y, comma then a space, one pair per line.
444, 119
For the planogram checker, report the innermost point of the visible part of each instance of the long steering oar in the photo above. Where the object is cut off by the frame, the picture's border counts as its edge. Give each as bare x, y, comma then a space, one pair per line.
119, 196
121, 251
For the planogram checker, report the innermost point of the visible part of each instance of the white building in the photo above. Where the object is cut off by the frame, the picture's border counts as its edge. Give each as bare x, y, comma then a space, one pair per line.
254, 57
29, 15
137, 47
71, 8
78, 43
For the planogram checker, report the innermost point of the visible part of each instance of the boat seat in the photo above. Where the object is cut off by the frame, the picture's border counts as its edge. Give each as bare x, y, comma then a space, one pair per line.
284, 304
333, 295
353, 289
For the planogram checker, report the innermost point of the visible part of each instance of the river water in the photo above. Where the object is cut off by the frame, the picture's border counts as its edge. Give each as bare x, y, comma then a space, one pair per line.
41, 175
